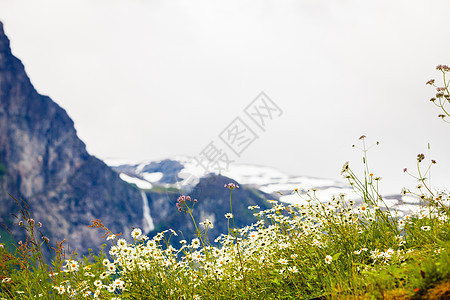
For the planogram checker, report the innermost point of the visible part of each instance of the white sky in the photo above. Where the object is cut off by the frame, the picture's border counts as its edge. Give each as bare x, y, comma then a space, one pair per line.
151, 79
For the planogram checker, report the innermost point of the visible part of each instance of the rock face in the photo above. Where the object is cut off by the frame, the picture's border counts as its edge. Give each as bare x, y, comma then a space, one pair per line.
43, 161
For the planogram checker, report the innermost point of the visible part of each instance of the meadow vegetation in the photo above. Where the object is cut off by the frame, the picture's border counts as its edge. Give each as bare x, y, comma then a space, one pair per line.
338, 248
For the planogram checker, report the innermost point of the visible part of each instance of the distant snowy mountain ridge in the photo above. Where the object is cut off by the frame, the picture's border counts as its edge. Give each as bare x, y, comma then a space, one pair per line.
184, 172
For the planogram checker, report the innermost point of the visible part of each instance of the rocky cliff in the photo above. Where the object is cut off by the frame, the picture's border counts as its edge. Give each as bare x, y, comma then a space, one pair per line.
44, 162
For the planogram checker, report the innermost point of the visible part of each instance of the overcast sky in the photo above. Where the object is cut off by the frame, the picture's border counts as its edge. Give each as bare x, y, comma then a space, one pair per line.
151, 79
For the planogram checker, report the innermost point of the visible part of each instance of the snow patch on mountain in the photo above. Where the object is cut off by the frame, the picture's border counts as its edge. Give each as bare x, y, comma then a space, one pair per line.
142, 184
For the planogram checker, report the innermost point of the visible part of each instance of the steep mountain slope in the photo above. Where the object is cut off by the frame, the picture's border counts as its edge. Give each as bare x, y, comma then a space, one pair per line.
44, 162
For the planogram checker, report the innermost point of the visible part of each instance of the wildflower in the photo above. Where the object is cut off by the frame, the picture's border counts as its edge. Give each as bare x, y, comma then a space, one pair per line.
231, 186
430, 82
121, 243
442, 68
111, 288
106, 262
328, 259
253, 207
119, 283
71, 266
425, 228
87, 294
195, 243
60, 289
228, 215
284, 246
196, 297
362, 208
111, 237
136, 233
111, 268
98, 283
253, 235
96, 293
293, 269
181, 199
207, 224
6, 280
283, 261
420, 157
198, 256
389, 252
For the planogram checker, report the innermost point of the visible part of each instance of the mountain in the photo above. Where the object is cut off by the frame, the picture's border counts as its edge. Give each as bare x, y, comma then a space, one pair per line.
164, 180
43, 162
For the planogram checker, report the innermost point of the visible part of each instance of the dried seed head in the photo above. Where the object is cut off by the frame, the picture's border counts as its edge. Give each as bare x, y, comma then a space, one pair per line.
420, 157
443, 68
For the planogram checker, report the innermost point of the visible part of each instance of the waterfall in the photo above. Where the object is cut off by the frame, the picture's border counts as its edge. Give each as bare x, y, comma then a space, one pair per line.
148, 221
